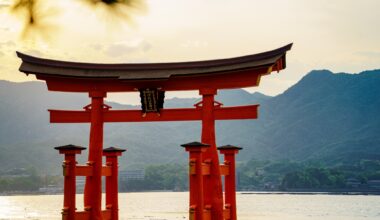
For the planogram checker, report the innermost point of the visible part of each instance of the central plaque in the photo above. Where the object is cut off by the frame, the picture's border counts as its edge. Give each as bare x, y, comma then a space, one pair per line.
152, 100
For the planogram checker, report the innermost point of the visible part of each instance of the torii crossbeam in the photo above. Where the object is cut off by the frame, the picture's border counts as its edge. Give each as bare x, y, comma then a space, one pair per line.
152, 80
180, 114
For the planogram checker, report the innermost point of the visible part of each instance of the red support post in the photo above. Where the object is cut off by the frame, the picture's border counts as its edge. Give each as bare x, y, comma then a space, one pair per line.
213, 192
112, 186
93, 186
197, 205
229, 152
69, 165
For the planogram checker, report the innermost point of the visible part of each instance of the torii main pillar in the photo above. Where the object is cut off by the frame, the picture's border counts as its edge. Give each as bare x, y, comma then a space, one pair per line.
213, 194
93, 186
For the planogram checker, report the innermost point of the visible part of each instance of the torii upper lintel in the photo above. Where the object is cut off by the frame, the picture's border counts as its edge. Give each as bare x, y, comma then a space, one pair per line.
238, 72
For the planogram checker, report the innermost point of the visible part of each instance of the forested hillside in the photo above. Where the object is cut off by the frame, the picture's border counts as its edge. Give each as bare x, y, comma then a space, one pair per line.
332, 118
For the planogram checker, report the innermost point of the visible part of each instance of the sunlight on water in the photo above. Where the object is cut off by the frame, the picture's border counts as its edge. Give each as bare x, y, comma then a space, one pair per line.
299, 207
173, 206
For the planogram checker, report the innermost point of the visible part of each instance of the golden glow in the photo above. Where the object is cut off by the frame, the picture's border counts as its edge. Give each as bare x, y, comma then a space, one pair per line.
325, 35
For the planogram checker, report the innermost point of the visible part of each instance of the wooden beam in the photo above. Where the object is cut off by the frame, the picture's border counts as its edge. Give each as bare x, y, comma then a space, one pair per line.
206, 168
224, 170
237, 112
66, 116
227, 212
107, 214
240, 79
83, 170
106, 171
180, 114
82, 215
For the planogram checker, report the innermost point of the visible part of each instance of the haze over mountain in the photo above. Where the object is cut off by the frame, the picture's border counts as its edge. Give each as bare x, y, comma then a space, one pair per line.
324, 117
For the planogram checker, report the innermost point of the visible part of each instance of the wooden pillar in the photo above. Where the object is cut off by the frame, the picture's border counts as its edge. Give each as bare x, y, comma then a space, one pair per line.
93, 186
69, 187
229, 152
213, 192
197, 204
112, 202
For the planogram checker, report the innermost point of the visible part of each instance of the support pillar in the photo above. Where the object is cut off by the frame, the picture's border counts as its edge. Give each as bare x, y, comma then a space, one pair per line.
229, 152
69, 187
213, 192
197, 205
112, 202
93, 186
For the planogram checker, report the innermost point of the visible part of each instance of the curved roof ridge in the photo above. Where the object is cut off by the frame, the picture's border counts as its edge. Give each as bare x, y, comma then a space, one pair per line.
261, 63
157, 66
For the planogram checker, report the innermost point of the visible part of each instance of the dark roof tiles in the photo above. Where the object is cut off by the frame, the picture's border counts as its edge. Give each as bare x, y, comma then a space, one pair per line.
149, 71
70, 147
229, 147
114, 149
195, 144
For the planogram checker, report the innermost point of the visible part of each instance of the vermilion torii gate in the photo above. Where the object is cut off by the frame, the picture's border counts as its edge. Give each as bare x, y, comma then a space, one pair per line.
205, 76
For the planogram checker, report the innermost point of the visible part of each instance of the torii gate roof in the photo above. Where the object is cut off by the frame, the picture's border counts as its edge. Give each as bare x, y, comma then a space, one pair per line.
169, 76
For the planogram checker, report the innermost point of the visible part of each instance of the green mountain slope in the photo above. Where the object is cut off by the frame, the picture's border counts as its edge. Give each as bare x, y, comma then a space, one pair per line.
325, 117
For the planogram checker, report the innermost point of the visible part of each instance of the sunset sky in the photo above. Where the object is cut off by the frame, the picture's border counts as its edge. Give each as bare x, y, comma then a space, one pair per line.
339, 35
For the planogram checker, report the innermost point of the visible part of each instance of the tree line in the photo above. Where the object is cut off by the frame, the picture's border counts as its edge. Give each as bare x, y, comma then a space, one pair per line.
251, 175
264, 175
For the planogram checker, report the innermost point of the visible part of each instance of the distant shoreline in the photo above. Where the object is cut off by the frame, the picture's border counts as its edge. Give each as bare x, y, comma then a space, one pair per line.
311, 192
293, 192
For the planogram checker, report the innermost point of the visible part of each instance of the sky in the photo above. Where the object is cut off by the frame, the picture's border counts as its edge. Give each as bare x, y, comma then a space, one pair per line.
339, 35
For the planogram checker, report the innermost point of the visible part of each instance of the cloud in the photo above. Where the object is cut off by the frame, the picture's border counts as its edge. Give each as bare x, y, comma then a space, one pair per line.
5, 3
369, 54
125, 48
194, 43
7, 47
34, 53
7, 44
97, 47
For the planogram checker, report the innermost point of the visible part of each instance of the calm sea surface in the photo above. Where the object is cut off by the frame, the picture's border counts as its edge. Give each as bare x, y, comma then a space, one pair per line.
173, 206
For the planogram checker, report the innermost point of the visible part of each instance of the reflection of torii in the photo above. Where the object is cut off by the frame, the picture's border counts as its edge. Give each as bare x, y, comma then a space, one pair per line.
205, 76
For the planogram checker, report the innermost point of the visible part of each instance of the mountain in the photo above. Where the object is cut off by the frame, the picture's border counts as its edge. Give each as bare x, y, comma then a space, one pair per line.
324, 117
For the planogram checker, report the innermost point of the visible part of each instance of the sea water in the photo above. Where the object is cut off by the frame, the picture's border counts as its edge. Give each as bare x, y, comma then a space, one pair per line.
174, 206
